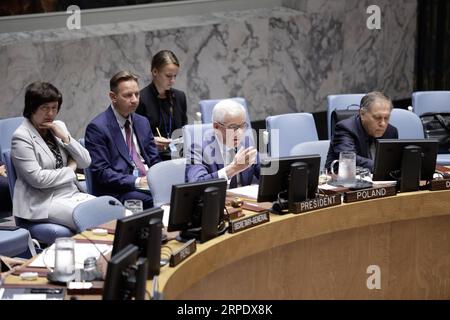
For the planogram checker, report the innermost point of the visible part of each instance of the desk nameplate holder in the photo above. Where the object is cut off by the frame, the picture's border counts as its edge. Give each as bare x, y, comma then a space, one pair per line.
249, 222
316, 203
443, 184
370, 193
183, 253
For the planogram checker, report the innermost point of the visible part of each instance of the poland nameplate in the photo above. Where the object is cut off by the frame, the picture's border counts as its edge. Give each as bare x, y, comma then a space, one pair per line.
372, 193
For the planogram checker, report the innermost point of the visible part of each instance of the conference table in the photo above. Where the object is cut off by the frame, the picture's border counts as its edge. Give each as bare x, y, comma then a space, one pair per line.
396, 247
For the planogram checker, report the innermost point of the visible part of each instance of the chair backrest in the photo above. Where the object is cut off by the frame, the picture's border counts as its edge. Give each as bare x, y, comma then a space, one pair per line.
313, 147
11, 171
97, 211
162, 176
87, 173
407, 123
288, 130
340, 101
207, 106
7, 128
430, 101
194, 135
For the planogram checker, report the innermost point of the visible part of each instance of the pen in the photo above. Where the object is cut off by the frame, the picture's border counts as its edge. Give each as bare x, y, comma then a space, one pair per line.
159, 133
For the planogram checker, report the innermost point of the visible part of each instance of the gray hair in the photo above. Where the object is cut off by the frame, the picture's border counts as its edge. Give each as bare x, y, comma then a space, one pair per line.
371, 97
226, 107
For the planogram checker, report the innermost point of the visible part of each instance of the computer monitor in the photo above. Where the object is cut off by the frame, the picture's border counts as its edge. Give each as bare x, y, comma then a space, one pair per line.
126, 275
196, 209
274, 184
397, 159
143, 230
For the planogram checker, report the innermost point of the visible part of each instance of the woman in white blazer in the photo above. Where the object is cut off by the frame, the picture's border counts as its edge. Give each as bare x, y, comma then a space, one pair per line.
46, 157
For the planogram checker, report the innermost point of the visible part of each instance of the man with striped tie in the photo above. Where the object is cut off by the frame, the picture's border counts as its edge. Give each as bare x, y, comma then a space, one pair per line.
121, 145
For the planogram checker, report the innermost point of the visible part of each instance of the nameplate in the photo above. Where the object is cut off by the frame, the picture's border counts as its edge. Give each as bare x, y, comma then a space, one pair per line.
316, 203
249, 222
183, 253
372, 193
440, 184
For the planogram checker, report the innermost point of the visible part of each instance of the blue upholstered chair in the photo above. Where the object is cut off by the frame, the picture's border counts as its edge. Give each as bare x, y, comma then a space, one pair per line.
407, 123
432, 101
94, 212
162, 176
340, 101
15, 243
207, 106
288, 130
7, 128
194, 135
42, 231
319, 147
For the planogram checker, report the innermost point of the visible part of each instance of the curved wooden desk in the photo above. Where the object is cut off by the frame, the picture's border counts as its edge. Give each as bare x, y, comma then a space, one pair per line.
325, 254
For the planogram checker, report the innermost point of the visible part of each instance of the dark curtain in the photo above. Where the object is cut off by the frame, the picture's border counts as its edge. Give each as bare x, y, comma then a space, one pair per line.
433, 50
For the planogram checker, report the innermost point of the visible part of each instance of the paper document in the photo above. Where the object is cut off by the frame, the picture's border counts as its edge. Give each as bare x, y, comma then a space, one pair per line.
249, 192
177, 141
82, 251
166, 209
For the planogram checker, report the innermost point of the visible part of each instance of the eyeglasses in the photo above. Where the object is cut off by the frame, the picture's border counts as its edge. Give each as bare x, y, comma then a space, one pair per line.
46, 108
235, 127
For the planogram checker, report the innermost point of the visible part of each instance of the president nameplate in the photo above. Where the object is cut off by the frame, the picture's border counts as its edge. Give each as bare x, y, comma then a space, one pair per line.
440, 184
249, 222
316, 203
187, 250
372, 193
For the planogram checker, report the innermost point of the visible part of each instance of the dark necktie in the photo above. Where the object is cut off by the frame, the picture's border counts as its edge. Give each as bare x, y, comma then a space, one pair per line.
132, 150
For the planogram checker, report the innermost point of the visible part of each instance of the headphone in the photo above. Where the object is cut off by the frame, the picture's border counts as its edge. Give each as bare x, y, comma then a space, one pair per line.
281, 205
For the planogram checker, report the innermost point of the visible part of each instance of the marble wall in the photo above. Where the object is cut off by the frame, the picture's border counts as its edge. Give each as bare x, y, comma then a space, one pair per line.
283, 59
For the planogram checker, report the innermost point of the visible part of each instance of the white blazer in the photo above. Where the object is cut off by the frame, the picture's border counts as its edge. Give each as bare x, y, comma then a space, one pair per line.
38, 180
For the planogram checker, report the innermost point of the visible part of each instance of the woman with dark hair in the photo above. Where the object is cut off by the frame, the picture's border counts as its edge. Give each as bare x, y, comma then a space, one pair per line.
164, 106
46, 157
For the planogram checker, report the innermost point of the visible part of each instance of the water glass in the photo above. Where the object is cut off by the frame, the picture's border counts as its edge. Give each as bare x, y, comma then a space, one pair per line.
346, 175
323, 176
65, 257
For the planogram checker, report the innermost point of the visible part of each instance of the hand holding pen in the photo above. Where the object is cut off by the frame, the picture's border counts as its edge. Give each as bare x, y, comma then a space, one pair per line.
161, 142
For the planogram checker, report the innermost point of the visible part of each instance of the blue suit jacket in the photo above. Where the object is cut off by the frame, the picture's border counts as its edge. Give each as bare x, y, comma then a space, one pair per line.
205, 161
112, 170
349, 135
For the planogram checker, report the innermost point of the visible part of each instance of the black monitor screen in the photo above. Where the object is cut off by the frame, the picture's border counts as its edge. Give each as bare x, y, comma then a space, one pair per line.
272, 182
388, 158
185, 197
134, 229
119, 267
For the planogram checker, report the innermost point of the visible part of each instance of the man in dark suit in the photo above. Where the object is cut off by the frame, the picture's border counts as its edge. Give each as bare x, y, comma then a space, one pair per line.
359, 132
224, 153
121, 145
